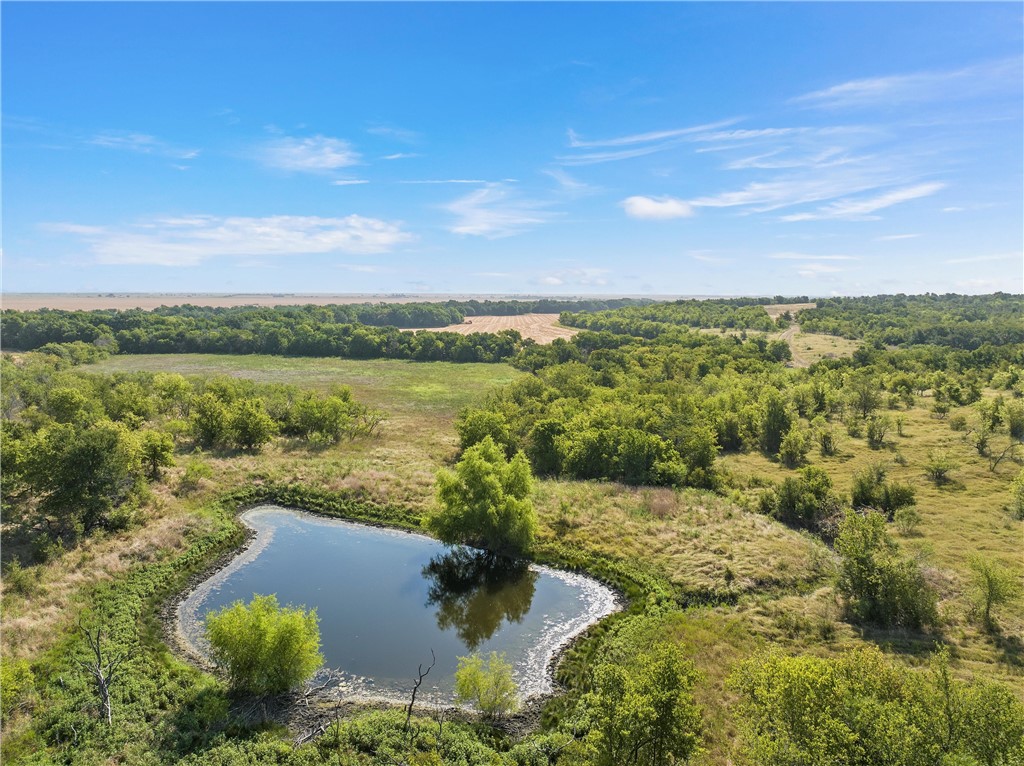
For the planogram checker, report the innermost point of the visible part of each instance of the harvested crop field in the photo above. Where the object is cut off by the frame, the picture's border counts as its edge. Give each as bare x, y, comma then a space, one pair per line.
542, 328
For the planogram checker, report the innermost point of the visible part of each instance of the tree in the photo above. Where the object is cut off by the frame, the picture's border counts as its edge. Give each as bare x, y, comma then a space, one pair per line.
266, 648
473, 425
485, 501
103, 665
879, 585
775, 422
157, 451
250, 425
209, 420
487, 685
81, 474
803, 501
643, 714
993, 585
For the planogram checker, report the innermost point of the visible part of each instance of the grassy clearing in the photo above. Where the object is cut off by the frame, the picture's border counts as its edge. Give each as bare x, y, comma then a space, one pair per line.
767, 583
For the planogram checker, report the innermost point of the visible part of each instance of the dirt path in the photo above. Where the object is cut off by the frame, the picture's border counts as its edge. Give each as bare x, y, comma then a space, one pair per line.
789, 335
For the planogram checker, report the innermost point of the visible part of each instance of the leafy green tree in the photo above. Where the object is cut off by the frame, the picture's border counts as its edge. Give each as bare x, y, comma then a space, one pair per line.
879, 585
250, 425
488, 686
485, 501
794, 447
643, 714
473, 425
209, 420
542, 446
775, 422
804, 501
862, 709
81, 474
156, 451
1017, 496
939, 466
328, 417
993, 585
871, 490
265, 648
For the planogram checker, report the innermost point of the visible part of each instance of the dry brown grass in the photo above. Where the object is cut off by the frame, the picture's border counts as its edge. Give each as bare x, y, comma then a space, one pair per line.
34, 621
775, 310
542, 328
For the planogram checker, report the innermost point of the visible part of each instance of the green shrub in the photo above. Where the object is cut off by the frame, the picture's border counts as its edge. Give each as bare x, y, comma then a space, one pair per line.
266, 648
488, 686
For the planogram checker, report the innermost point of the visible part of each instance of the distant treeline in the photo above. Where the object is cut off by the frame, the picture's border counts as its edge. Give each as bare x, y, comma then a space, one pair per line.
308, 331
959, 321
651, 320
363, 331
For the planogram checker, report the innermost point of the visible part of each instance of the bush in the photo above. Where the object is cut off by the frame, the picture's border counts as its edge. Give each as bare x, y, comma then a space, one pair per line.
487, 685
879, 585
485, 501
939, 466
642, 712
794, 448
803, 501
266, 648
871, 490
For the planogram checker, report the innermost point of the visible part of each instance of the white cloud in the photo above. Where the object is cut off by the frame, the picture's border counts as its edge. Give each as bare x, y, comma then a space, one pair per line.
187, 241
569, 185
317, 154
623, 154
908, 89
861, 209
985, 258
896, 237
349, 182
706, 257
640, 138
581, 277
813, 270
399, 156
656, 208
495, 212
140, 143
448, 181
806, 257
765, 196
391, 131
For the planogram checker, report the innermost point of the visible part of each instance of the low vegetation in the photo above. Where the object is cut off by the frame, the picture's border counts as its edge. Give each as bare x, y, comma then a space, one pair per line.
793, 541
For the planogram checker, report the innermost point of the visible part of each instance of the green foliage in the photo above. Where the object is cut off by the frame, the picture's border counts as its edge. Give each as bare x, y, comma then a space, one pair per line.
805, 501
485, 501
1017, 496
877, 429
939, 466
776, 422
250, 426
863, 709
871, 490
473, 425
880, 586
794, 447
18, 684
209, 420
488, 686
156, 451
642, 713
993, 585
82, 473
265, 648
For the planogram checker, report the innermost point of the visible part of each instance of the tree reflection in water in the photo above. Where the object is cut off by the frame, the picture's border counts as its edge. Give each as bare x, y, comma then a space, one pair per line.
474, 591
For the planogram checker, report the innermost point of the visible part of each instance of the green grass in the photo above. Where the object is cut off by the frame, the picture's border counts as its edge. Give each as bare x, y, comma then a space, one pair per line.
758, 581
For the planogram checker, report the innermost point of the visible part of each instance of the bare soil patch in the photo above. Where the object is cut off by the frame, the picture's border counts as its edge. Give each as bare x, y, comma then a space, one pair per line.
775, 310
542, 328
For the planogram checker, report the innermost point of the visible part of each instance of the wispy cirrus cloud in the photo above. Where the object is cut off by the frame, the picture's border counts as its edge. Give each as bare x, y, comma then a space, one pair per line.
140, 143
896, 237
656, 208
911, 89
190, 240
349, 182
646, 138
576, 277
810, 257
404, 135
862, 209
400, 156
571, 187
495, 212
431, 181
1019, 257
314, 154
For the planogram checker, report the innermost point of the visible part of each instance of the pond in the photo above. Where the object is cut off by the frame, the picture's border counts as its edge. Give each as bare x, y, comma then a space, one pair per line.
387, 598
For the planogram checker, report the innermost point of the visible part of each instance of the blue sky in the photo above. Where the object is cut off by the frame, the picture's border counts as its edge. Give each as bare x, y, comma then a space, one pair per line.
670, 148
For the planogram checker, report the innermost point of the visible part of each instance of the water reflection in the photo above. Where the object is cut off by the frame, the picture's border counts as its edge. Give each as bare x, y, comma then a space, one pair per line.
475, 591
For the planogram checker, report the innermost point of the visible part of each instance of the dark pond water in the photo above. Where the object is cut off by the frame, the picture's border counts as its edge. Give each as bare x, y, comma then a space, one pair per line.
385, 599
